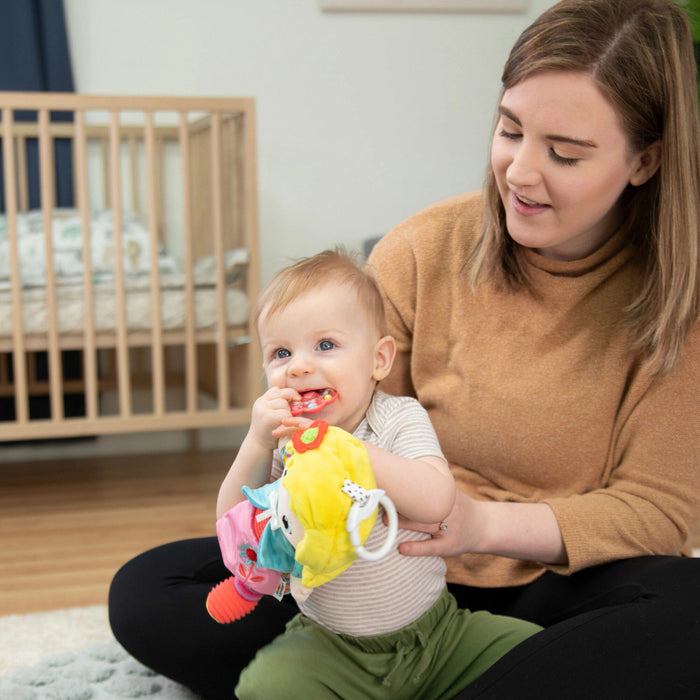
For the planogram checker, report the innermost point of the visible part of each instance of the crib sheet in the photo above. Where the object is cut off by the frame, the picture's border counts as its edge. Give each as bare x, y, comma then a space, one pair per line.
71, 306
67, 237
70, 288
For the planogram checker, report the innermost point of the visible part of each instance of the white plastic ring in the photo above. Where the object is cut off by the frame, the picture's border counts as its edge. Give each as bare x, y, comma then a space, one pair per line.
393, 527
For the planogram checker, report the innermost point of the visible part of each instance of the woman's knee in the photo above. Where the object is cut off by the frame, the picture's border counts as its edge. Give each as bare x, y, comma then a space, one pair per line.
146, 588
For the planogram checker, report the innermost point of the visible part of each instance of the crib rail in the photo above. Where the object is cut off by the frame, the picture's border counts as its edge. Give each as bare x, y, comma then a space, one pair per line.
139, 147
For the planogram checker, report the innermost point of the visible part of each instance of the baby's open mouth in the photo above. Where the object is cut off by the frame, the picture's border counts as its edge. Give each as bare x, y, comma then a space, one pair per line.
313, 401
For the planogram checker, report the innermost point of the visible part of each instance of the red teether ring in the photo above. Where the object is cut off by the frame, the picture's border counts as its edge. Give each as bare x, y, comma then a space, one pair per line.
313, 401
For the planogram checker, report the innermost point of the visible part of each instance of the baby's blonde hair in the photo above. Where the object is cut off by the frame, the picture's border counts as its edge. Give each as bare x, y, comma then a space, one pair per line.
312, 273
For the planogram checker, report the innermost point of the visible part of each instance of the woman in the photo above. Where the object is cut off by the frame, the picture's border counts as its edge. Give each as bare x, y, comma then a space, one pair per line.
549, 326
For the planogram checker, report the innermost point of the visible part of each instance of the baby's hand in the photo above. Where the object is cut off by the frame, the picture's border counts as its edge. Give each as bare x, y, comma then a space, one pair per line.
290, 426
270, 411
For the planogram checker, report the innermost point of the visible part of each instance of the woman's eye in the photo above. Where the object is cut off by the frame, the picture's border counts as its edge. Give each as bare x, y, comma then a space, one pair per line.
326, 345
561, 159
508, 134
282, 354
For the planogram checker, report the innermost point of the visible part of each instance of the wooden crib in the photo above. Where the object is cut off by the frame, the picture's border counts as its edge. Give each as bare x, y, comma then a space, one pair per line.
134, 314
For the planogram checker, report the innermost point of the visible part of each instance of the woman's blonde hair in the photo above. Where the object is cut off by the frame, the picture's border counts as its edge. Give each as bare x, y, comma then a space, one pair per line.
640, 55
310, 274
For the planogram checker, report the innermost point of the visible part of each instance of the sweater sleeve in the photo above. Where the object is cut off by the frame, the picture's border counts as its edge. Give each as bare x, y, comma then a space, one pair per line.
651, 498
392, 264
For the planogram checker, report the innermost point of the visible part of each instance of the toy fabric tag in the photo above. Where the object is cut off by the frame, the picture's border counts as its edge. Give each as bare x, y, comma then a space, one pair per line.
283, 587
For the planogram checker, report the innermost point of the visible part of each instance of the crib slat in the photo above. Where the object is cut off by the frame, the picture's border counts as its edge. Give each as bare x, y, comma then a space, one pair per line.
249, 205
135, 184
104, 159
89, 349
48, 187
218, 231
159, 190
22, 177
18, 354
123, 373
157, 331
190, 348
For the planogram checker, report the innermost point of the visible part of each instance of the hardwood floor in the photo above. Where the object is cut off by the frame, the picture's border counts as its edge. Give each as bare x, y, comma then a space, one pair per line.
67, 525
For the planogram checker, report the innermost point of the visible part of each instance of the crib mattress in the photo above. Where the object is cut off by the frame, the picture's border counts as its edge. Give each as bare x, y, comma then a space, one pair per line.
66, 229
71, 306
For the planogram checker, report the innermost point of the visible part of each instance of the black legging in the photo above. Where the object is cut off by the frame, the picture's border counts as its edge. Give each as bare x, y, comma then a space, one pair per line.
628, 629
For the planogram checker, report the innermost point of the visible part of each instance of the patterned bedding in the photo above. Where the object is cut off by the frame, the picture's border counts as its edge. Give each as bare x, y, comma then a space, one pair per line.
70, 291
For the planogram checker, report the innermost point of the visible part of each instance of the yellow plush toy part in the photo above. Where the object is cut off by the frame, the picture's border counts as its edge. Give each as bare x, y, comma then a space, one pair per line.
327, 475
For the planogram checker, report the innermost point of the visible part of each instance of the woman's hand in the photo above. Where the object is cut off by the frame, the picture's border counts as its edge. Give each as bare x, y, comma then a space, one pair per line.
446, 537
527, 531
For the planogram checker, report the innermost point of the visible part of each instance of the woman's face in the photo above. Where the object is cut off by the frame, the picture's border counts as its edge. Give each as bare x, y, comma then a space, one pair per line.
561, 162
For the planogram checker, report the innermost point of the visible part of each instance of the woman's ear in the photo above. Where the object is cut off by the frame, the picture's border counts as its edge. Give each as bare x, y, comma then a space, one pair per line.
648, 162
384, 354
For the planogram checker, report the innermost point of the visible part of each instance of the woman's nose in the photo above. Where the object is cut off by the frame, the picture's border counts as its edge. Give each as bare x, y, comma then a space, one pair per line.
524, 168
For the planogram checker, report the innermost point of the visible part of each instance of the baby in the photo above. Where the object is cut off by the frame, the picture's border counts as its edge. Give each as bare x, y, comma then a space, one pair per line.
386, 628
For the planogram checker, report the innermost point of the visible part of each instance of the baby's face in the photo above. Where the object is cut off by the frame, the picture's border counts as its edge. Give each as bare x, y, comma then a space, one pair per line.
323, 343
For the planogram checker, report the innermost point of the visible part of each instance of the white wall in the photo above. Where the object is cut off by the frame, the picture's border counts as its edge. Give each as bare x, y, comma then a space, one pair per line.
363, 118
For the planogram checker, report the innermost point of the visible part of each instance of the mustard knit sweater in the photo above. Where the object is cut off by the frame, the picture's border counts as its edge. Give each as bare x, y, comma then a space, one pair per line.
535, 398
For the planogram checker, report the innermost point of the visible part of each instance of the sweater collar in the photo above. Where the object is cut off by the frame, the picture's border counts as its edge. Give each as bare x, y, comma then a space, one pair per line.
616, 246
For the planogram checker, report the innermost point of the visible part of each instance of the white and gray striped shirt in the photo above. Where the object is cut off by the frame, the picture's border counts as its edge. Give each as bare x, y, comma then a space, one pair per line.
383, 596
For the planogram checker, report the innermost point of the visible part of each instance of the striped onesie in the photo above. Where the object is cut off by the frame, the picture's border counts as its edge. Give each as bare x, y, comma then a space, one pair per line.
388, 628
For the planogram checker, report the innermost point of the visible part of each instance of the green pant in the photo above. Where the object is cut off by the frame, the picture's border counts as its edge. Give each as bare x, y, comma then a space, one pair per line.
435, 657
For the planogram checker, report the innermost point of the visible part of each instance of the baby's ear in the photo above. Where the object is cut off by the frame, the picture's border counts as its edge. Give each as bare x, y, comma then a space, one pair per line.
384, 354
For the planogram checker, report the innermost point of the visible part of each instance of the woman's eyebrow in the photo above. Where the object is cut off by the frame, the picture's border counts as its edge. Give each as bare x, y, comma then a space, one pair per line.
585, 143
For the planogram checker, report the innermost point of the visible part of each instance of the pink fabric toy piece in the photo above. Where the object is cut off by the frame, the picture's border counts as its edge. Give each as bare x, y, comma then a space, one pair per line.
239, 532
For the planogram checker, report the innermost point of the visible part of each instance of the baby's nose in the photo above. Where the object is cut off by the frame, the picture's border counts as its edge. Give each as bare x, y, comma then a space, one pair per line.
300, 365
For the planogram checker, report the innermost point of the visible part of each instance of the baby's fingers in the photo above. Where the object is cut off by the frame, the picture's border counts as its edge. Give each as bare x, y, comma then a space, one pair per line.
289, 426
297, 423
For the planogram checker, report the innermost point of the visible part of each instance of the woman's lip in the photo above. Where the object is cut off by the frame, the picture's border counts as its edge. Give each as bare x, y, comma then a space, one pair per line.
525, 206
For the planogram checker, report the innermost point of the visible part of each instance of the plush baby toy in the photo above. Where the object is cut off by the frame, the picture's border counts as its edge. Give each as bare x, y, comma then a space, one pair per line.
305, 528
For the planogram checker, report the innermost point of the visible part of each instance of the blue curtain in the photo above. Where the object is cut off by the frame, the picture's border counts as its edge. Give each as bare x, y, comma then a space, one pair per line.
34, 56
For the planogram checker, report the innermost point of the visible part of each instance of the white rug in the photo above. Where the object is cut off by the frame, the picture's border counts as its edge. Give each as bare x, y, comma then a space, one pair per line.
72, 655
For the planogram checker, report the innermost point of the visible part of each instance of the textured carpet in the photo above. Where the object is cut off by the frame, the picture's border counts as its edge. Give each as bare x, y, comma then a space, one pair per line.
71, 655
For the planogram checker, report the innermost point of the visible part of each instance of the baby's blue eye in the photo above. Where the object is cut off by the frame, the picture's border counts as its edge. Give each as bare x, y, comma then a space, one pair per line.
282, 354
326, 345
